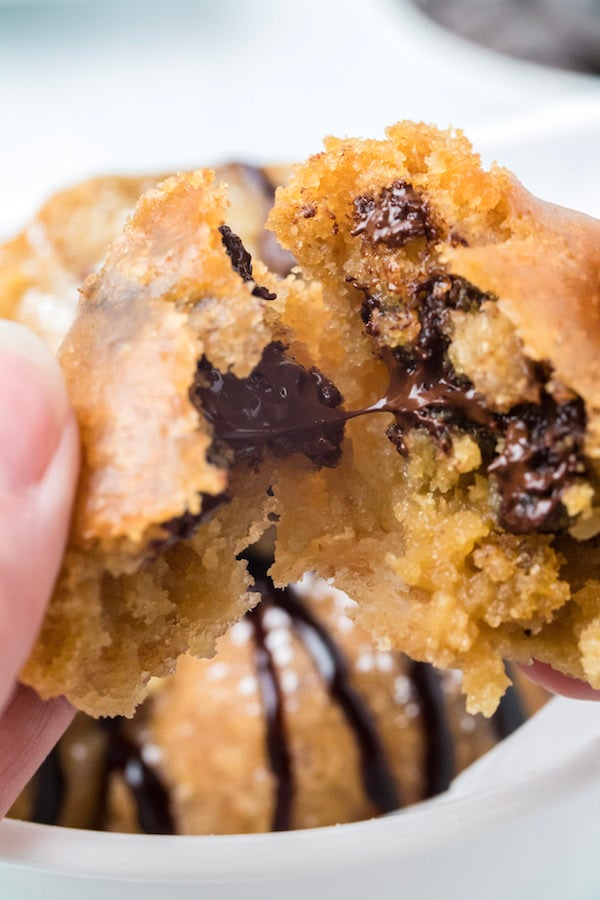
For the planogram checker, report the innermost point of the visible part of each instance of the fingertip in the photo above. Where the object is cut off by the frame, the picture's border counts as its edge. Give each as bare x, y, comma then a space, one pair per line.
557, 683
29, 728
39, 460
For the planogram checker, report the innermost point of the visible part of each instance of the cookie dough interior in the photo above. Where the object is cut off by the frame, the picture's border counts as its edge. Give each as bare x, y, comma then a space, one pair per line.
463, 518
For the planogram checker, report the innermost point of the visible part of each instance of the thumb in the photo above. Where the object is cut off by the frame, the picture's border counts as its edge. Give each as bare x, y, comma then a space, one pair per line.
38, 470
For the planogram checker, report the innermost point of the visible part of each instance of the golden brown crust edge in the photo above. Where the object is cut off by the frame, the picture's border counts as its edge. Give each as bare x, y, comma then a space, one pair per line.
165, 295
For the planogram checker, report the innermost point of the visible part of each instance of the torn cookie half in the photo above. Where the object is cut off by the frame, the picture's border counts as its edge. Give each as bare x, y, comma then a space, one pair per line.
163, 507
468, 314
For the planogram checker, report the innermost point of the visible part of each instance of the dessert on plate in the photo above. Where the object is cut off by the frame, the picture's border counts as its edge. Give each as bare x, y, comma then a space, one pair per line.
298, 721
414, 406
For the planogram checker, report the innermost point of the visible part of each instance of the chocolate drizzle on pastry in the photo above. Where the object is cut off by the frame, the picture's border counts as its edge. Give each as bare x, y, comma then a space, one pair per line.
439, 762
329, 661
123, 755
278, 749
397, 215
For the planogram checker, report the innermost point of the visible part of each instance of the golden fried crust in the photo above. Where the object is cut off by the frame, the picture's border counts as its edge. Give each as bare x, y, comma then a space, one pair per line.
415, 539
547, 278
124, 608
131, 355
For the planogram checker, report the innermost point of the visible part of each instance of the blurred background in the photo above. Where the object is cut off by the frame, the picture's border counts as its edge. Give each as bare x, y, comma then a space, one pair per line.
97, 86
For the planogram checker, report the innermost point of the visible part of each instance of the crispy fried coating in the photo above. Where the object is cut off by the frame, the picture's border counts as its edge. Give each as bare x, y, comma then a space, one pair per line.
128, 603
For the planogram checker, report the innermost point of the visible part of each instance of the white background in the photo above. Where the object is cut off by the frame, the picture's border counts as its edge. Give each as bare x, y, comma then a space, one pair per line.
146, 85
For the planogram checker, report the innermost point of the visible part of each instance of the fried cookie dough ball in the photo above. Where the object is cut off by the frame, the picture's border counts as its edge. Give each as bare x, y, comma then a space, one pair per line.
407, 407
299, 721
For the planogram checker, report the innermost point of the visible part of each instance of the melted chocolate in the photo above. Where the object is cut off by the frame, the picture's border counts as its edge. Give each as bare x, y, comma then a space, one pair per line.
184, 527
280, 406
396, 216
123, 755
542, 450
278, 749
270, 250
439, 761
241, 261
329, 661
541, 456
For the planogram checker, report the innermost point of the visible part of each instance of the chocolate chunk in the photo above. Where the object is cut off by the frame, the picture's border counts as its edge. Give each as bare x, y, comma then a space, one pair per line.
542, 456
280, 406
396, 216
434, 299
543, 444
185, 526
287, 409
241, 261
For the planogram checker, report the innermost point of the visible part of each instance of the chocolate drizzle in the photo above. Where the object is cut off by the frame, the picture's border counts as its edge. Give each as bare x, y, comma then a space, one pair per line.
397, 215
278, 749
439, 763
124, 756
328, 659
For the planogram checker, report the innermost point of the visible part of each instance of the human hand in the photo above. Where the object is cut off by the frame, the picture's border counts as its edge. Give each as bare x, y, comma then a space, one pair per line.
557, 683
39, 459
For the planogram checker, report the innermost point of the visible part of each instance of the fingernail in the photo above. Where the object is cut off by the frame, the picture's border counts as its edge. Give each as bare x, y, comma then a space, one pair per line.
33, 406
